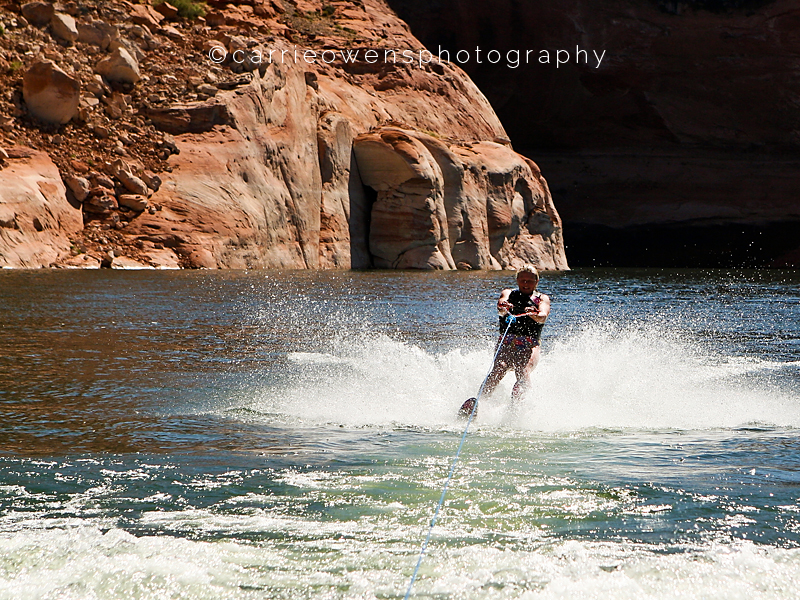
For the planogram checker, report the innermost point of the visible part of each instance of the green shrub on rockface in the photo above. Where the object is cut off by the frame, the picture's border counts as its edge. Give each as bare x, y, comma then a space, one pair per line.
188, 9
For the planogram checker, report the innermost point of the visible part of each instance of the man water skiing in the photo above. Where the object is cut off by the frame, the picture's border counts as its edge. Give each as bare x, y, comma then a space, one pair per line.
520, 346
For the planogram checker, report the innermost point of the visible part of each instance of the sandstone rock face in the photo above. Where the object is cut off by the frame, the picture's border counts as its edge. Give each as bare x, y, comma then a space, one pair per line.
686, 135
408, 226
119, 66
476, 206
293, 179
35, 217
248, 194
341, 161
523, 225
166, 10
344, 208
51, 94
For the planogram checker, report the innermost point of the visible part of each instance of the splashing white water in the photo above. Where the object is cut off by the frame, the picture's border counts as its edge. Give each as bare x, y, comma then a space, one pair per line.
600, 377
82, 562
646, 379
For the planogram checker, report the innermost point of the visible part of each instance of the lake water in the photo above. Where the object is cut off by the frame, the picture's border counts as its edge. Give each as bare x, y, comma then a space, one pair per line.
288, 434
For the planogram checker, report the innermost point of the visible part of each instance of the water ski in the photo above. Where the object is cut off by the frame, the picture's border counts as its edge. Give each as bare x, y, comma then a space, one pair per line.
466, 409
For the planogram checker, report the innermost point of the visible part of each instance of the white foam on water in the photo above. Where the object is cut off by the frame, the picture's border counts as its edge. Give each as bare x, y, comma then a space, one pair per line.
610, 570
642, 378
599, 377
378, 381
85, 562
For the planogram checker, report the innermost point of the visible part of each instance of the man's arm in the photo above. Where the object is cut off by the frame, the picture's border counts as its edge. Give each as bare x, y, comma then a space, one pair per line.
540, 316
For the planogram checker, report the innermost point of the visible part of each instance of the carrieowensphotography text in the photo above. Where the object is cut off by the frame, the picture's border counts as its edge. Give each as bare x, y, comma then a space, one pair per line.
510, 58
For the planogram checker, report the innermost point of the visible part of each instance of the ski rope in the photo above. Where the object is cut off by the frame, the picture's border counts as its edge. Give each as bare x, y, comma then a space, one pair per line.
511, 319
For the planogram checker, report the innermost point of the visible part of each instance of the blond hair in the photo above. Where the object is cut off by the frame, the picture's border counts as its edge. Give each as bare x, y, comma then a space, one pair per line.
528, 269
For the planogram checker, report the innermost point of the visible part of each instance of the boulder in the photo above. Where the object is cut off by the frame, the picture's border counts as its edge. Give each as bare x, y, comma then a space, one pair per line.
166, 10
72, 8
38, 14
119, 66
79, 187
133, 49
144, 14
102, 181
214, 49
101, 204
64, 27
172, 33
115, 105
152, 180
97, 33
131, 182
133, 201
79, 166
216, 19
50, 94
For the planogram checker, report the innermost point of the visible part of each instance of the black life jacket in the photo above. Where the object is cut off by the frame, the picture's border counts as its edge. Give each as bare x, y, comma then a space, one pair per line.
522, 325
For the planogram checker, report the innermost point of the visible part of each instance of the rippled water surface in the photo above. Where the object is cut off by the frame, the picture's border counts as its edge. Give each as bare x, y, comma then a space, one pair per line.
288, 435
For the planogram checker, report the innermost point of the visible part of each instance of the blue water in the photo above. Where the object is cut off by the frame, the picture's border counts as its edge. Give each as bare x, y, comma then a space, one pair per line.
287, 435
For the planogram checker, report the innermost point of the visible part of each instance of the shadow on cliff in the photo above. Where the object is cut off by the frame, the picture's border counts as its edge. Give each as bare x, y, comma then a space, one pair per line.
362, 198
685, 133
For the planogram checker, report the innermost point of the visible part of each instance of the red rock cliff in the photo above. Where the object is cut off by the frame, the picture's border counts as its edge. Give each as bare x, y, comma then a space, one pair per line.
307, 160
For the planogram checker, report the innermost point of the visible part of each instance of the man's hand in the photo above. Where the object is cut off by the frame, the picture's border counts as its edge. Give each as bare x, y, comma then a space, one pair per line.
504, 306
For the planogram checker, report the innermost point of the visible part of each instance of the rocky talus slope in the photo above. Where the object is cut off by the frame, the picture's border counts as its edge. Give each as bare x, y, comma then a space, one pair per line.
252, 134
